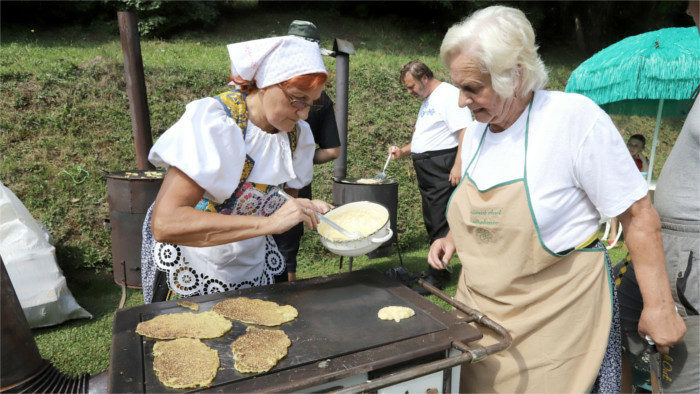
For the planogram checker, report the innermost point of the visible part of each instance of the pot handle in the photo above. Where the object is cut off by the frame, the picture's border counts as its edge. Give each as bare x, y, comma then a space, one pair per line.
384, 238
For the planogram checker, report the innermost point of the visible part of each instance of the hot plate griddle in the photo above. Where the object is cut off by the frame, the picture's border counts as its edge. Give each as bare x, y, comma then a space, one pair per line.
337, 317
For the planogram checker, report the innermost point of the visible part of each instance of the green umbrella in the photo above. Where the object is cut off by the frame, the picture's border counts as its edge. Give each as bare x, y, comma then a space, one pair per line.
650, 74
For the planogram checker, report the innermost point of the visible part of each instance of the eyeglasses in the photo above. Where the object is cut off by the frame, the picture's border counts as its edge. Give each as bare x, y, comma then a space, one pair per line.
301, 104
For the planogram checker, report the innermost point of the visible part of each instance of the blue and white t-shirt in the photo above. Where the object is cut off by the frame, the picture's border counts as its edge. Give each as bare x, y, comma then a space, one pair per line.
439, 120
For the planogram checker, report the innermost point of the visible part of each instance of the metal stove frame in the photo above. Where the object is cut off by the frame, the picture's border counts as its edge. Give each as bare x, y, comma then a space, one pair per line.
365, 370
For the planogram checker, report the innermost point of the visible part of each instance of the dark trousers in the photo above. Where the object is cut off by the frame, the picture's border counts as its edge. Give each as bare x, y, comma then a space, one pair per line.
433, 175
288, 242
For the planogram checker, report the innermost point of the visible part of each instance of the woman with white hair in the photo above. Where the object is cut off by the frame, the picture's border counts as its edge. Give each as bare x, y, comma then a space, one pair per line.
209, 229
524, 219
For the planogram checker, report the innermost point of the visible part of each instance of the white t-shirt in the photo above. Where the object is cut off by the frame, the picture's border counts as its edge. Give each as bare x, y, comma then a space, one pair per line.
578, 166
208, 146
439, 120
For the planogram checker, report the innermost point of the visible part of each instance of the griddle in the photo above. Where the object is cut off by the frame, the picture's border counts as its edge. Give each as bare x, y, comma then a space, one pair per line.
337, 334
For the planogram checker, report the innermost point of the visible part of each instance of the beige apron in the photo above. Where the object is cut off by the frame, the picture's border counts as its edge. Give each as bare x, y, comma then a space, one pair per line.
558, 308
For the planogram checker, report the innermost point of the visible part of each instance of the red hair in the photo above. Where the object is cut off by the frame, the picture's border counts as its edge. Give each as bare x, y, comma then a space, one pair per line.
243, 85
306, 81
301, 82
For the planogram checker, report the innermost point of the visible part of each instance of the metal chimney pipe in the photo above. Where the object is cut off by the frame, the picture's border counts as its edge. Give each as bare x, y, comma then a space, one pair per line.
343, 49
22, 369
136, 88
20, 355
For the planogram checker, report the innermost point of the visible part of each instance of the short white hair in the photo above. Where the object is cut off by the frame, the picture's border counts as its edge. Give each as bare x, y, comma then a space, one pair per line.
502, 41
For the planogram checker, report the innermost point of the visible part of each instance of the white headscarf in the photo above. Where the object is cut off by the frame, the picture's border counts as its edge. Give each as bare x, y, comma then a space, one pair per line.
269, 61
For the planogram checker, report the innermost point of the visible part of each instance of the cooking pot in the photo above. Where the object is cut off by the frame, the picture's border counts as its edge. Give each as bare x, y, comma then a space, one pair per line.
129, 194
358, 246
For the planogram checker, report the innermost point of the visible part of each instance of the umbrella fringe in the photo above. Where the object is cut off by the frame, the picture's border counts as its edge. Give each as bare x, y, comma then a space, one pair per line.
651, 71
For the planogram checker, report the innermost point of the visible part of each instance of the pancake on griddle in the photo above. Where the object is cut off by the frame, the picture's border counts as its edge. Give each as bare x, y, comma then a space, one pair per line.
184, 363
189, 305
396, 313
254, 311
204, 325
259, 349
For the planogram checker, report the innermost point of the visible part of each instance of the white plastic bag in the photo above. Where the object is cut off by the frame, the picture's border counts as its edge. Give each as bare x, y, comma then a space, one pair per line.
30, 260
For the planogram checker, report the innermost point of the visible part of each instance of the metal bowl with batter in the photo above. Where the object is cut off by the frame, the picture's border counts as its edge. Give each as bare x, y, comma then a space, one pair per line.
365, 217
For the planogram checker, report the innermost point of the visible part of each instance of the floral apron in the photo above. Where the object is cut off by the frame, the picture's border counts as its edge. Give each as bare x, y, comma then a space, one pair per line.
191, 271
557, 307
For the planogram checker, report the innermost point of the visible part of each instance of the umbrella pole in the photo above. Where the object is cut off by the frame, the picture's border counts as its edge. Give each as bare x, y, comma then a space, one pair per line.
655, 140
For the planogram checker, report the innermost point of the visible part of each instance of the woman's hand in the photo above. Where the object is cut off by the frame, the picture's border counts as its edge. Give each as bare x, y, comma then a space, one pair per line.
321, 206
441, 251
663, 325
292, 212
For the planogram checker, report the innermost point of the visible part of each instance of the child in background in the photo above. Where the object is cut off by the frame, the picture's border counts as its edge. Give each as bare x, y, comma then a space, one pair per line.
635, 144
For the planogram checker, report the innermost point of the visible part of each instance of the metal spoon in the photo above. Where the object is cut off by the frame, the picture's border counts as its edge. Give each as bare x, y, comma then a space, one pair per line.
350, 235
381, 176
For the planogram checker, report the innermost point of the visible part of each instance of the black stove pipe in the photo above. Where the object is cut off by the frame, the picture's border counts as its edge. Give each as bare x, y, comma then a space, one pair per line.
343, 49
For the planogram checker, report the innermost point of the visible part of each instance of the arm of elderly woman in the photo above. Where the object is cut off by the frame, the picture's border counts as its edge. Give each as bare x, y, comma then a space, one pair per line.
175, 219
659, 319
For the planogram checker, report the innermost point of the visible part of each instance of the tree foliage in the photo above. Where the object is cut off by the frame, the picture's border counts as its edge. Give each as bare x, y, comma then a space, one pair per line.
592, 25
165, 17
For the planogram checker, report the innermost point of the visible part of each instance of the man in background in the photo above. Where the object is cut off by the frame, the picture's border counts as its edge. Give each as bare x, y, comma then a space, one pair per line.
677, 201
434, 149
325, 131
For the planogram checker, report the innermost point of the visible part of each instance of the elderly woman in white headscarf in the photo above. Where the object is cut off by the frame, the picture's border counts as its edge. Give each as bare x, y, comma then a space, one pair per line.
524, 220
209, 229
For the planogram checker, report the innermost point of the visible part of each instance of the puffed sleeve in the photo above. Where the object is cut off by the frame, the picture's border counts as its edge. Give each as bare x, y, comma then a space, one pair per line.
206, 145
303, 157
